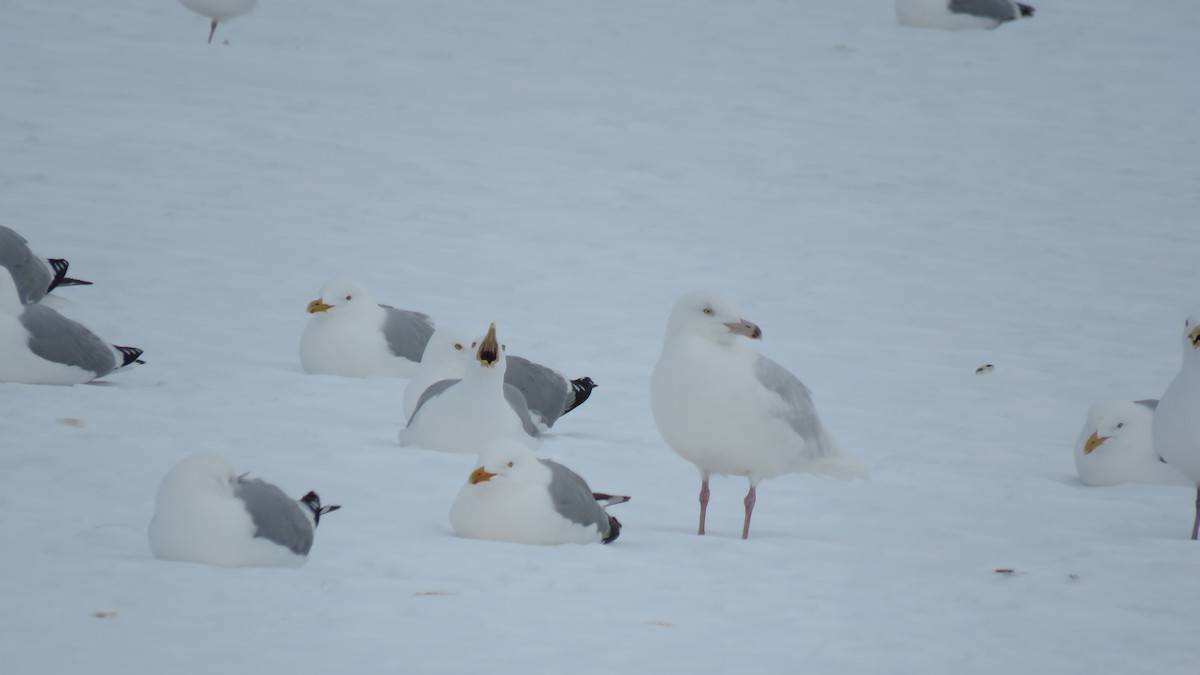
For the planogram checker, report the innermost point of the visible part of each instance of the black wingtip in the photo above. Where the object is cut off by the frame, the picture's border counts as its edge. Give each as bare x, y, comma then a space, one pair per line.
1026, 10
609, 500
129, 355
614, 531
581, 389
68, 281
313, 502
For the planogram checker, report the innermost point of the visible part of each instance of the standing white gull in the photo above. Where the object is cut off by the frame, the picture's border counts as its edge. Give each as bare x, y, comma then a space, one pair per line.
351, 335
465, 415
450, 352
1177, 418
1117, 446
514, 496
728, 410
40, 346
219, 10
959, 14
34, 275
205, 512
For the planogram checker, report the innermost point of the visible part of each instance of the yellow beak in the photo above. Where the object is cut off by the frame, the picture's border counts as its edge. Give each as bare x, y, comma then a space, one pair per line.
480, 475
317, 306
1194, 336
1094, 441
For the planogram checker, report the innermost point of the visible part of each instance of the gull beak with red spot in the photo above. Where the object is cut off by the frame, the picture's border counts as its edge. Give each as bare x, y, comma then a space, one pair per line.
489, 349
480, 475
317, 306
1094, 441
744, 327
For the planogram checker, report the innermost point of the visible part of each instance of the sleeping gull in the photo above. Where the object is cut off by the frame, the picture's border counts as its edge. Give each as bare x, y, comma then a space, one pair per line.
449, 354
34, 275
1116, 446
219, 10
959, 14
514, 496
1177, 418
40, 346
351, 335
725, 408
205, 512
464, 415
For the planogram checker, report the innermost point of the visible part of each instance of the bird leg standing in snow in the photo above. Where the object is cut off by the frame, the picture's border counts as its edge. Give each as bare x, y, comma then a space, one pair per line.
703, 500
749, 502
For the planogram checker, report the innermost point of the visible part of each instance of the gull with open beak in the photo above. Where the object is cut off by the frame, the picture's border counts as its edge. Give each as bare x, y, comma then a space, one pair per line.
729, 410
351, 335
463, 415
517, 497
1177, 418
1115, 446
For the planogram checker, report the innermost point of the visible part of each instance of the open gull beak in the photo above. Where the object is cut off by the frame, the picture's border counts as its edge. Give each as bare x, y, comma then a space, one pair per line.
489, 349
317, 306
744, 327
1094, 441
480, 475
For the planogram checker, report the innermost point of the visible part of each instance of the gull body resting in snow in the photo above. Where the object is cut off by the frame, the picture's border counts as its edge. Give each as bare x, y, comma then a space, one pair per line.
219, 10
465, 415
451, 352
1177, 417
729, 410
959, 14
1116, 446
351, 335
33, 275
206, 513
40, 346
515, 496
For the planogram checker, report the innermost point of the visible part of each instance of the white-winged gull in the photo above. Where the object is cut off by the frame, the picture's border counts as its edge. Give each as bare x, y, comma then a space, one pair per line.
464, 415
351, 335
1116, 446
515, 496
959, 14
729, 410
1177, 417
40, 346
206, 513
219, 10
450, 352
34, 275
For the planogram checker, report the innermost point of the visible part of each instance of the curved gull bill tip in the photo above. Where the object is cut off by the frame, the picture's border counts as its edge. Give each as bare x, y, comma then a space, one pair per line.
317, 306
489, 348
744, 327
480, 475
1094, 441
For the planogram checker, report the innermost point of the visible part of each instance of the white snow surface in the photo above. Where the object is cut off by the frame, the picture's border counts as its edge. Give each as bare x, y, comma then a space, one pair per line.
928, 200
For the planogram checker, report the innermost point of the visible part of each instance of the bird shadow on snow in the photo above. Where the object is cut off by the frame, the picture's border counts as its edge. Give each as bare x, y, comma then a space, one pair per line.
737, 534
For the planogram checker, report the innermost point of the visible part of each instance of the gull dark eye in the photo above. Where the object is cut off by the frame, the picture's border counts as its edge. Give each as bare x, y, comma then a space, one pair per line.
458, 346
347, 297
708, 311
510, 465
473, 344
1120, 424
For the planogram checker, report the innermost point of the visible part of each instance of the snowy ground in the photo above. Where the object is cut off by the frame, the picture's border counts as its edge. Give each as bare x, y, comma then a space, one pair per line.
893, 206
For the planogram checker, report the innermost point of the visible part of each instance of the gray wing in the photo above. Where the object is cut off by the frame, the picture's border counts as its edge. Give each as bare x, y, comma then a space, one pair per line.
407, 332
277, 517
573, 498
516, 401
546, 391
431, 392
30, 272
1000, 10
1151, 403
56, 338
798, 409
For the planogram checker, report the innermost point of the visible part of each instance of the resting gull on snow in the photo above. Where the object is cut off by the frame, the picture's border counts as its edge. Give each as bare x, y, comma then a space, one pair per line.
40, 346
34, 275
1177, 418
1116, 446
205, 512
959, 14
449, 354
466, 414
351, 335
517, 497
219, 10
728, 410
